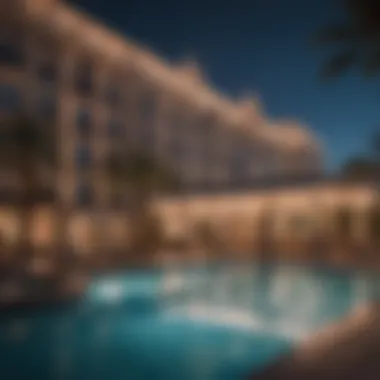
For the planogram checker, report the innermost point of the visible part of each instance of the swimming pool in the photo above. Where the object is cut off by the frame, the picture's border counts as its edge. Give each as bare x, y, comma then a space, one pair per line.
217, 322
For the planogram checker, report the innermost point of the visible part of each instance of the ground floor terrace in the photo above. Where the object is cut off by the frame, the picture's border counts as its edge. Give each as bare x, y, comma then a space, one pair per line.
288, 221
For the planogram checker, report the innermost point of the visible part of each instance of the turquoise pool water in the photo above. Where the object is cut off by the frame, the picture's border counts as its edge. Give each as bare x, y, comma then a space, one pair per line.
184, 323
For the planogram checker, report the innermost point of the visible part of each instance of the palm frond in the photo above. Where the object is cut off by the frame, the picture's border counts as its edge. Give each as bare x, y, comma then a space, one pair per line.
365, 15
338, 64
359, 37
140, 173
334, 35
375, 142
23, 138
360, 167
371, 65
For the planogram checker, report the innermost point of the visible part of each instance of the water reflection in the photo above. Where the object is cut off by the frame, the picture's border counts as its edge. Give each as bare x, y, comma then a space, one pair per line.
181, 323
287, 300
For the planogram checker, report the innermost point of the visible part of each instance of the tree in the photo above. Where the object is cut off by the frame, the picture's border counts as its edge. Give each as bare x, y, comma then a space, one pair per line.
206, 235
147, 235
343, 242
374, 224
266, 234
361, 168
375, 145
358, 39
27, 149
364, 167
141, 178
344, 224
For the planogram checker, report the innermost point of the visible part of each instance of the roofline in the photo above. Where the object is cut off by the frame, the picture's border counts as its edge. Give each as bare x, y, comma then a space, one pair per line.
161, 72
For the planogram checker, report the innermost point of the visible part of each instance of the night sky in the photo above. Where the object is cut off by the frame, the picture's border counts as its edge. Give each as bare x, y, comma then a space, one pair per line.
263, 47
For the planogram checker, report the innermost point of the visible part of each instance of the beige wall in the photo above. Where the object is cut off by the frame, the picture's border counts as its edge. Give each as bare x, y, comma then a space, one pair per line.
233, 216
316, 204
75, 37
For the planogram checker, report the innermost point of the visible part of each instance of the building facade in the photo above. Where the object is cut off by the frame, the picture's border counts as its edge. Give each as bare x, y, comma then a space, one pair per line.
296, 215
104, 94
329, 219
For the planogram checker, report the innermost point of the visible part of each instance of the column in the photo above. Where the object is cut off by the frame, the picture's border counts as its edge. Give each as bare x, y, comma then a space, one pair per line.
99, 149
66, 138
67, 108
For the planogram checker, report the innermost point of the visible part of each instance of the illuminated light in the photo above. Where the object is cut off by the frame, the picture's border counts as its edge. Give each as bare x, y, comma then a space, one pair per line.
172, 283
242, 320
112, 292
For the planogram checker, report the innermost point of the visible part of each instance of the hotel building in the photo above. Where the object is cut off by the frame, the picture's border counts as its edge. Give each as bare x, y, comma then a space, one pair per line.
104, 93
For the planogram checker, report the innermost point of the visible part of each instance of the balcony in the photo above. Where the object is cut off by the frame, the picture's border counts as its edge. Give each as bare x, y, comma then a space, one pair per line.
10, 99
11, 55
83, 123
83, 80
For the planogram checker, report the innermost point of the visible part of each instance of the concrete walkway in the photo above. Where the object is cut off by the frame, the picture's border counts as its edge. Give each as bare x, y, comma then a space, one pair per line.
349, 350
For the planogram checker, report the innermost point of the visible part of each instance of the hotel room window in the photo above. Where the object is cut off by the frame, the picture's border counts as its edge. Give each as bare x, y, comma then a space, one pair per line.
83, 79
240, 164
115, 129
82, 157
148, 108
113, 94
11, 49
10, 98
48, 108
84, 194
83, 122
47, 72
146, 128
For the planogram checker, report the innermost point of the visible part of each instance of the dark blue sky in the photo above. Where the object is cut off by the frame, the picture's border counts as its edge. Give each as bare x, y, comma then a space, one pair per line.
260, 46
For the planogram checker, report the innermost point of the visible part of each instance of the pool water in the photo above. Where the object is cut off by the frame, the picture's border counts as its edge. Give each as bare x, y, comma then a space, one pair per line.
184, 323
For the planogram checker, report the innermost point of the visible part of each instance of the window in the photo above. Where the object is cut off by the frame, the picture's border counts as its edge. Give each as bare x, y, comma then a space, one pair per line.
148, 106
48, 108
177, 139
207, 124
208, 129
205, 128
9, 98
47, 72
84, 195
83, 122
83, 79
82, 157
10, 53
113, 95
239, 162
115, 129
146, 127
175, 121
308, 164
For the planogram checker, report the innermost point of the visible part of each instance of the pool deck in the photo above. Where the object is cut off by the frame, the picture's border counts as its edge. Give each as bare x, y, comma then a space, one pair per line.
349, 350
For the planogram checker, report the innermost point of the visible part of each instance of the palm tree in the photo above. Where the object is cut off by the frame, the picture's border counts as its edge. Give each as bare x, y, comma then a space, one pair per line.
207, 236
27, 149
375, 144
360, 168
358, 39
343, 224
374, 225
364, 167
141, 178
266, 235
344, 231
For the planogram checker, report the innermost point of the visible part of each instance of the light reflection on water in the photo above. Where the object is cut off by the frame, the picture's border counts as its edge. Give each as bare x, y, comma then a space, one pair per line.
287, 300
182, 323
